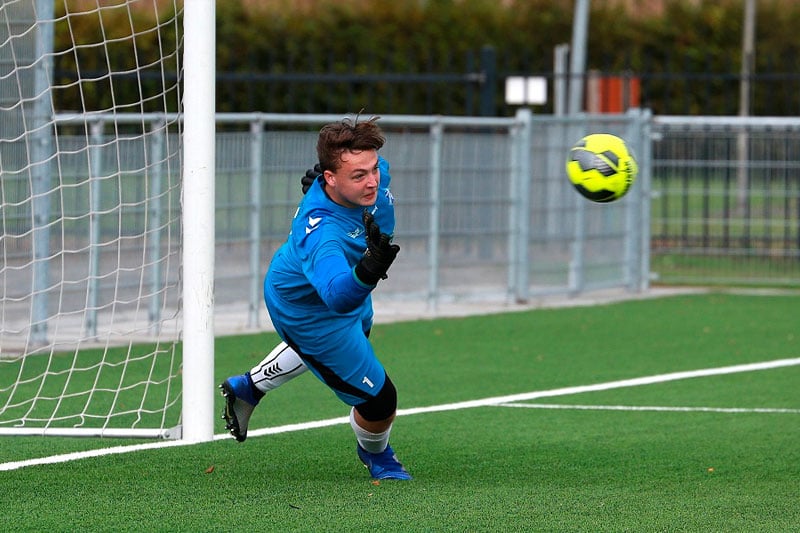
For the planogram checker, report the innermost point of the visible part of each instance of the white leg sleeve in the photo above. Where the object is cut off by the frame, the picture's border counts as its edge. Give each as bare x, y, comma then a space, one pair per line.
281, 365
371, 442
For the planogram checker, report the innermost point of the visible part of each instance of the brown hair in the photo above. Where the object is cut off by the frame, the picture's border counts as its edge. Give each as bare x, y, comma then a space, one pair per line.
345, 136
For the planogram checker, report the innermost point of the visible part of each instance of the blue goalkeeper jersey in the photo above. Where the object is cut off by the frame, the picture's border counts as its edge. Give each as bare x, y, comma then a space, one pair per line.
310, 289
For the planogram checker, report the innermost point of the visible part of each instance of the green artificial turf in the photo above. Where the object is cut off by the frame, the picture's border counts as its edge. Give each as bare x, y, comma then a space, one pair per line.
617, 467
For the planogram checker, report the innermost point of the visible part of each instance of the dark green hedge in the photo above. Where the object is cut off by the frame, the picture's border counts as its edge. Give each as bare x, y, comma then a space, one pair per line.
270, 58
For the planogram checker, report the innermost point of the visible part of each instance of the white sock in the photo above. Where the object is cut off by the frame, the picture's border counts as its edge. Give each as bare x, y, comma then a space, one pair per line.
371, 442
281, 365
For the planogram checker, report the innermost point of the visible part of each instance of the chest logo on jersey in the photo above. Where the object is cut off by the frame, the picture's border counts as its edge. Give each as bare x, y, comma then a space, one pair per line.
313, 223
355, 233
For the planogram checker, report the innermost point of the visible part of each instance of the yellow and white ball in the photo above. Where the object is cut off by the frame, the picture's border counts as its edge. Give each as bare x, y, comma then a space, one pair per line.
602, 167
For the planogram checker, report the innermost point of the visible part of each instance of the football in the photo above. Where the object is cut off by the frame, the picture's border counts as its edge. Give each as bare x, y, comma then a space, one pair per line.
601, 167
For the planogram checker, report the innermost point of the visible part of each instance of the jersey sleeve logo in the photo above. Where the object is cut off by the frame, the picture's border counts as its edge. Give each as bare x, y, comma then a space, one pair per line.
313, 223
355, 233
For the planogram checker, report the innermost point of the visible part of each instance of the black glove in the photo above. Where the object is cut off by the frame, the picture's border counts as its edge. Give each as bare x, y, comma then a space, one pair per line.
310, 177
379, 255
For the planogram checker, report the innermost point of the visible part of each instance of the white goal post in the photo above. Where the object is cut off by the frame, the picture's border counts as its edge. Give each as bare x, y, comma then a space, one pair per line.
198, 227
106, 186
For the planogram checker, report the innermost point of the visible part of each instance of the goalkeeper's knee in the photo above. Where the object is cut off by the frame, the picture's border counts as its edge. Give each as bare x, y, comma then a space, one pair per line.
382, 405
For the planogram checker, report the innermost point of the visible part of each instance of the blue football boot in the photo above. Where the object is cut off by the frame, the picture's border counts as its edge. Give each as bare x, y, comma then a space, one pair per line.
383, 465
240, 401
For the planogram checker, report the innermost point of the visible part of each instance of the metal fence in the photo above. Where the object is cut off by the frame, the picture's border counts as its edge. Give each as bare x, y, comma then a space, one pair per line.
484, 213
727, 204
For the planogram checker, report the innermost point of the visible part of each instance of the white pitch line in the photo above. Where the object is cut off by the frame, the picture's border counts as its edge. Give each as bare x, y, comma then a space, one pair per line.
635, 382
650, 408
485, 402
100, 452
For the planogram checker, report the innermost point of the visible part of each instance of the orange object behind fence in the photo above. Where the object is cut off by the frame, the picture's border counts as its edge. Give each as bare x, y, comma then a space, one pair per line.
612, 94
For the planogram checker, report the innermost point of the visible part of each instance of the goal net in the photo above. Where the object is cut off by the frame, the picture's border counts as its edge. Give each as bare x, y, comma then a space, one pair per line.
91, 161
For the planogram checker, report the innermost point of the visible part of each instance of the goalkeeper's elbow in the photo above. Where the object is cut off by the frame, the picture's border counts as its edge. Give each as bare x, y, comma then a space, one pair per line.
346, 294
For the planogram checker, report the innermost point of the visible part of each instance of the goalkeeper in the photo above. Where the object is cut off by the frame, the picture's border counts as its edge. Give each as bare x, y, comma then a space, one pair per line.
318, 293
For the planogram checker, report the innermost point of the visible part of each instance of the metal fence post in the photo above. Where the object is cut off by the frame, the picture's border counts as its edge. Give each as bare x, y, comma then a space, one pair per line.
158, 134
645, 155
42, 150
560, 82
256, 143
515, 153
489, 82
523, 204
95, 199
577, 264
437, 135
633, 211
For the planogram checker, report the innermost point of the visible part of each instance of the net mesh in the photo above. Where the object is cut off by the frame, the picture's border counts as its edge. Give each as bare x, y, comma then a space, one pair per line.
90, 162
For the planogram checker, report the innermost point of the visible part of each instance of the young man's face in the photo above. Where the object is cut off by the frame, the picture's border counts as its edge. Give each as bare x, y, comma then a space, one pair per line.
355, 183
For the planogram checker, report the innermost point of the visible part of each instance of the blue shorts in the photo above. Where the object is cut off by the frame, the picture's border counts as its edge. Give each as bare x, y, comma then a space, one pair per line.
334, 348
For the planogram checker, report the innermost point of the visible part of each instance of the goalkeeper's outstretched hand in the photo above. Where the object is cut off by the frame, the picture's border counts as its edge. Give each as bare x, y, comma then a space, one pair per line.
379, 255
310, 177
